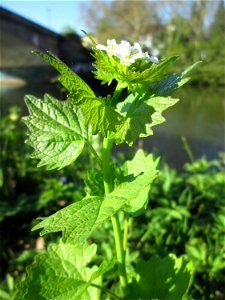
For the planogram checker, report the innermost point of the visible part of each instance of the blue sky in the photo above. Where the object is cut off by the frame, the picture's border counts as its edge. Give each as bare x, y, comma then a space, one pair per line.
54, 15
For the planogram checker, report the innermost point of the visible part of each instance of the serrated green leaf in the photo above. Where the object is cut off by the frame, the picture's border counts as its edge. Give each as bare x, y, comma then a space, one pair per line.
159, 104
162, 278
71, 81
140, 164
62, 273
134, 76
138, 175
78, 220
171, 83
154, 72
57, 131
141, 113
137, 114
106, 67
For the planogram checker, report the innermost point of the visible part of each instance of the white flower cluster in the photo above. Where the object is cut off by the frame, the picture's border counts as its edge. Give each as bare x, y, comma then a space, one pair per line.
126, 53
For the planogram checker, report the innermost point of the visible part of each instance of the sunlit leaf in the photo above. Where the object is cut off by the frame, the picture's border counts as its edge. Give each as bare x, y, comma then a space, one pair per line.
56, 131
141, 113
135, 184
135, 76
70, 80
162, 278
78, 220
100, 116
140, 164
62, 273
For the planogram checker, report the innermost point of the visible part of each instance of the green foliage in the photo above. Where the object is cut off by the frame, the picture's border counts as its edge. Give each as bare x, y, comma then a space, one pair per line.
140, 164
140, 112
7, 288
136, 77
167, 278
71, 81
101, 117
172, 82
186, 215
78, 220
24, 188
127, 122
65, 263
58, 131
26, 193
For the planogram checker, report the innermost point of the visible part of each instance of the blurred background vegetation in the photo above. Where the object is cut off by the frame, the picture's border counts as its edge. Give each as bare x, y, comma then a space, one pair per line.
186, 212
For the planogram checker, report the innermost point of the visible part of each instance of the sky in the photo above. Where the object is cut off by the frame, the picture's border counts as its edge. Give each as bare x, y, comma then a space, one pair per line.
54, 15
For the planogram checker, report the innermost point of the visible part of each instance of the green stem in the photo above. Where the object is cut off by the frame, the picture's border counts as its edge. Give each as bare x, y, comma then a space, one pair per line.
108, 184
106, 156
119, 250
125, 235
116, 94
115, 297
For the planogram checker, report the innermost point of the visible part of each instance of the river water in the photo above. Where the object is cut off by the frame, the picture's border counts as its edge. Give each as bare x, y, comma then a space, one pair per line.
198, 116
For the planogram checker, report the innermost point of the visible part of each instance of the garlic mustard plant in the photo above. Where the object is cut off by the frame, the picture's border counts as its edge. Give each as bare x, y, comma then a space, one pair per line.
58, 132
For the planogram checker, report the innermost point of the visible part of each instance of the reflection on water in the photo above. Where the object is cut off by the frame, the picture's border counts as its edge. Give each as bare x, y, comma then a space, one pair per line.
199, 116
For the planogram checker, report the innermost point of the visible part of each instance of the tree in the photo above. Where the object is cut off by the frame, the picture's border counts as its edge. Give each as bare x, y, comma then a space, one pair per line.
130, 20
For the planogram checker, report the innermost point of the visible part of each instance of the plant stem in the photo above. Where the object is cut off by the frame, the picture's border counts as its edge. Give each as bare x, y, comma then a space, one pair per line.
106, 156
125, 235
119, 250
108, 184
115, 297
116, 94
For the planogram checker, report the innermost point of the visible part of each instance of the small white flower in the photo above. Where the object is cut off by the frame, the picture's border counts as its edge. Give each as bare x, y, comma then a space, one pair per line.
111, 47
126, 53
123, 50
